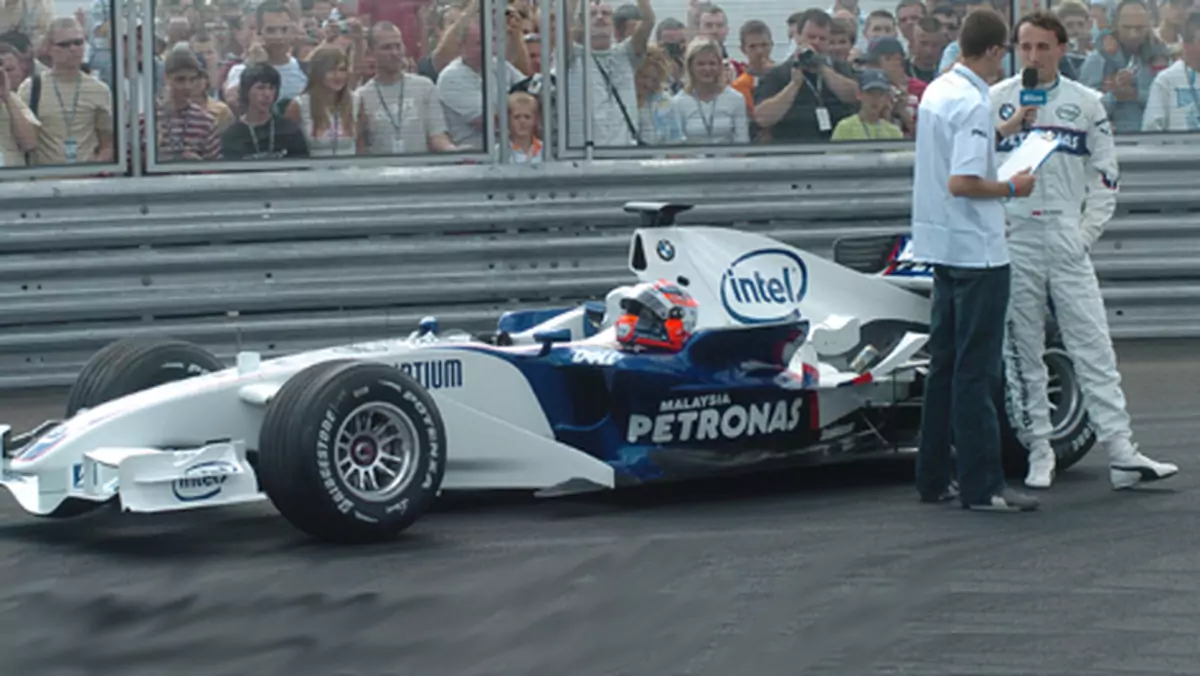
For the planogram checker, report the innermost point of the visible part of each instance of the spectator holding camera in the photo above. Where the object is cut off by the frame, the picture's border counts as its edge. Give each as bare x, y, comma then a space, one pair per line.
657, 122
1123, 70
19, 127
803, 98
887, 55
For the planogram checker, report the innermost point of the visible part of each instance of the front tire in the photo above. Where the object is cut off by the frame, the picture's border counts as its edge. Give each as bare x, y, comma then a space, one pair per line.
135, 364
122, 368
352, 452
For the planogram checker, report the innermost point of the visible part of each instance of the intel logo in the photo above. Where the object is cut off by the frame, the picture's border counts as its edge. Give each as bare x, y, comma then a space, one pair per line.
203, 481
764, 286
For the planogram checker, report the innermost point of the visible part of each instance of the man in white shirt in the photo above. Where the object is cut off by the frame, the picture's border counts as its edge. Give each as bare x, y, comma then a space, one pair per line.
1173, 104
958, 228
460, 88
612, 68
401, 111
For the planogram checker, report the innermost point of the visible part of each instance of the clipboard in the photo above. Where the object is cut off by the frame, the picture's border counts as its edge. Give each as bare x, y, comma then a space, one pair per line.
1033, 152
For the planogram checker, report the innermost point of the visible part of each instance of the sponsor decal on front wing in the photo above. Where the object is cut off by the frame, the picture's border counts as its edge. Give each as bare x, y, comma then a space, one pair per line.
204, 481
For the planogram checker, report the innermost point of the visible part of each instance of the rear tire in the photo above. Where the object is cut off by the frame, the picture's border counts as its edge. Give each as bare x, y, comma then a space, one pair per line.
1073, 435
352, 452
122, 368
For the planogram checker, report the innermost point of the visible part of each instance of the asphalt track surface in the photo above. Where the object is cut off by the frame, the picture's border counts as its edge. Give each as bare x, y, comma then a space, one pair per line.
833, 571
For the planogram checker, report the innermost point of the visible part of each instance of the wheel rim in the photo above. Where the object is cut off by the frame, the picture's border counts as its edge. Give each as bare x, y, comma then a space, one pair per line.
1062, 389
376, 451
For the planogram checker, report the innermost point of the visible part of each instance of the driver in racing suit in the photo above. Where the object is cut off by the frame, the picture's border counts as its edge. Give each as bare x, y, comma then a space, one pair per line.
1050, 236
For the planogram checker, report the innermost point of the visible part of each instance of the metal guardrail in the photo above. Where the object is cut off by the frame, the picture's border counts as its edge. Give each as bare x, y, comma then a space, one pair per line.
289, 261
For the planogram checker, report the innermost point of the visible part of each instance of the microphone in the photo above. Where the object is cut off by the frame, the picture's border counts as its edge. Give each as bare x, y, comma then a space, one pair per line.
1030, 94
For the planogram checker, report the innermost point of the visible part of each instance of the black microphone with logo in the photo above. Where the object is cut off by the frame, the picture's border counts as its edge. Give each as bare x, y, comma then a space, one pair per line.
1031, 95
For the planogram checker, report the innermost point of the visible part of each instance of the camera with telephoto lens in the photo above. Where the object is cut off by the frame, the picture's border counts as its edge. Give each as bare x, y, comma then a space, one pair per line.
806, 59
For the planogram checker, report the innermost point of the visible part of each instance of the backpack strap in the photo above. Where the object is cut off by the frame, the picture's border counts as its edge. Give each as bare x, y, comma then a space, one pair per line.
35, 97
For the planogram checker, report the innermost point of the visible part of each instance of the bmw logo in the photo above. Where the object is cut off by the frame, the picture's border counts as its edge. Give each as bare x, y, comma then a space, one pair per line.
666, 250
1007, 110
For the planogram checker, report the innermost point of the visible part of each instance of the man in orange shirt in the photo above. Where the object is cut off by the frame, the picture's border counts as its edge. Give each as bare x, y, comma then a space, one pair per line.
757, 46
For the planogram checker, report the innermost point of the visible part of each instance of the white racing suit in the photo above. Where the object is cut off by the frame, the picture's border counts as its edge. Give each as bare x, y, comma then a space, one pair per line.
1050, 235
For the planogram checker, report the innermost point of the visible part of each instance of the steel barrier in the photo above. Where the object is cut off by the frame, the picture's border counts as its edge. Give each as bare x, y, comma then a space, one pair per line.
287, 261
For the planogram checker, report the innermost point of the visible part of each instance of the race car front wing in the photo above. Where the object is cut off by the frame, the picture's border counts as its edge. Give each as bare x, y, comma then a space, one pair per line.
144, 479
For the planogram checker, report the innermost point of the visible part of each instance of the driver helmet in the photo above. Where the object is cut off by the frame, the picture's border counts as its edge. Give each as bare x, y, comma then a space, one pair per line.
656, 315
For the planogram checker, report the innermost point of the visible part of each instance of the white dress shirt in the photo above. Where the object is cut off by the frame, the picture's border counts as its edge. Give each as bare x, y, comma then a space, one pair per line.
955, 137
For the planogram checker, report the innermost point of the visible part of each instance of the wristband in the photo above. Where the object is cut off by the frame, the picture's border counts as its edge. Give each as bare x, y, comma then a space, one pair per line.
1012, 188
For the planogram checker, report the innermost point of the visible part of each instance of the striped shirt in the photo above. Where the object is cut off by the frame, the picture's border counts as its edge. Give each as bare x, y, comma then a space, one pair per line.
192, 130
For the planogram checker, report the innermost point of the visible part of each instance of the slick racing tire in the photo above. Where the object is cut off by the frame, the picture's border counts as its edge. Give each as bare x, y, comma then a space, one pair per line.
122, 368
1072, 435
352, 452
136, 364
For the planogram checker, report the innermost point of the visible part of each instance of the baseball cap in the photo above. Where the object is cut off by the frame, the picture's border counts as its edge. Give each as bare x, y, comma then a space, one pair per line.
874, 79
884, 46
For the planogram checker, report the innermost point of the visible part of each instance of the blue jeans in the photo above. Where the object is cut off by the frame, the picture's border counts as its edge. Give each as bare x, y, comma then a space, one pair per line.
965, 373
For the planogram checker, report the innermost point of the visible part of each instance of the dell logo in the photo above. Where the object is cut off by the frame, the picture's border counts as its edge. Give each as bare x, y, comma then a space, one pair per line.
763, 286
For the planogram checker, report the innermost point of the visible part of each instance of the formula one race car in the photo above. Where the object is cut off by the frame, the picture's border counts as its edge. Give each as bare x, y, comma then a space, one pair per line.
789, 359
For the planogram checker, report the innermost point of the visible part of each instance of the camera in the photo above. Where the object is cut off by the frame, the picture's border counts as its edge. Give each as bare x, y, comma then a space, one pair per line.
806, 59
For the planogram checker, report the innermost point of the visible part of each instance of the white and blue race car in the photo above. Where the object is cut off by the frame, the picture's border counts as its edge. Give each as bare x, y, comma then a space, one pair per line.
796, 360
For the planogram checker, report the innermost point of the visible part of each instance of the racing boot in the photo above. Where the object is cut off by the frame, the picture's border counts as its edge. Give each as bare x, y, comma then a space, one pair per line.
1041, 466
1127, 467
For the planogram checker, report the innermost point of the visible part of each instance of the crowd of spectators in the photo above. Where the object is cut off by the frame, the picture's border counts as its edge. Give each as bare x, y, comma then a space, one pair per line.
269, 79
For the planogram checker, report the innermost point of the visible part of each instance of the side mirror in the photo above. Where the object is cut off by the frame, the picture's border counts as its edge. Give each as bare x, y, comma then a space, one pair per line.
593, 317
548, 338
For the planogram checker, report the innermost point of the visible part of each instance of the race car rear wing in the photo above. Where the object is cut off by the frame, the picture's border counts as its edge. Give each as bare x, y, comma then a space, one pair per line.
656, 214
